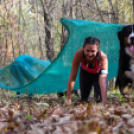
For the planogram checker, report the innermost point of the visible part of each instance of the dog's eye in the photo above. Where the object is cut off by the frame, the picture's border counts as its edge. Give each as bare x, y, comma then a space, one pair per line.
129, 30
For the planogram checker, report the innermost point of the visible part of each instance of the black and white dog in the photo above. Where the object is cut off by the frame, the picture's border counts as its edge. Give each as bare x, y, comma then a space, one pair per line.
126, 58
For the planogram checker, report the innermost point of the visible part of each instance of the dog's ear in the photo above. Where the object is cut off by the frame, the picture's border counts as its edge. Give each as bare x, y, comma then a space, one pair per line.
120, 35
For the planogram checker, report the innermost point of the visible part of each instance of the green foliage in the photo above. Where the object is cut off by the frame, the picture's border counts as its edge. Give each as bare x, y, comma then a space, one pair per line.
13, 94
29, 116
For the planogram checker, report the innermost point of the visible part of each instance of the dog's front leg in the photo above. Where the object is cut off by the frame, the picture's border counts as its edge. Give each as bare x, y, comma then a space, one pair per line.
130, 75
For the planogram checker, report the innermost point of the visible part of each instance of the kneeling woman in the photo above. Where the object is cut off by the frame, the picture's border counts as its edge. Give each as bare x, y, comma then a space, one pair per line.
93, 71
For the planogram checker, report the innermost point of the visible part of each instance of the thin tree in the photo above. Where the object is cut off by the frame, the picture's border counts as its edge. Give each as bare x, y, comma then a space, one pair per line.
65, 13
42, 54
49, 41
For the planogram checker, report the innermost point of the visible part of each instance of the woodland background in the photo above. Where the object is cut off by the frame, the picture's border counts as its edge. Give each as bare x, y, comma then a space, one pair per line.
33, 26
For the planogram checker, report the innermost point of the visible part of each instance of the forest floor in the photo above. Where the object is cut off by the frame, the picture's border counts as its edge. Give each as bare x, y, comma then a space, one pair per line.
48, 114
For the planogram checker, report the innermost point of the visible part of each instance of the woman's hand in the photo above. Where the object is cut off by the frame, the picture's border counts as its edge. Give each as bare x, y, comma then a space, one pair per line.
68, 101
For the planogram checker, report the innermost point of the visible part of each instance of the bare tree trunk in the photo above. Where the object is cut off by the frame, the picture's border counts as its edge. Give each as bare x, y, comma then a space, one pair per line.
12, 40
22, 42
42, 56
112, 17
76, 12
99, 11
65, 13
123, 20
82, 11
71, 15
110, 13
6, 45
116, 12
48, 37
19, 43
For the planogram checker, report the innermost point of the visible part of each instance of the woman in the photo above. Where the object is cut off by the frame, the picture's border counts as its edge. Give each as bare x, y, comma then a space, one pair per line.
93, 71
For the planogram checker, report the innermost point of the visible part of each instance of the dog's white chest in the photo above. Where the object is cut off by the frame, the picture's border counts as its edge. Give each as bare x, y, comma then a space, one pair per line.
132, 65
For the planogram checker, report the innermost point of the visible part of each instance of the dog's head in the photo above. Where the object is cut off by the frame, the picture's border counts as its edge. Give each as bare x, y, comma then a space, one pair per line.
126, 37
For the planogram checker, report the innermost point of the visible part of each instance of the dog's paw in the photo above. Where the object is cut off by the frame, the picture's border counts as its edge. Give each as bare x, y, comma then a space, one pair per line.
126, 73
129, 74
133, 85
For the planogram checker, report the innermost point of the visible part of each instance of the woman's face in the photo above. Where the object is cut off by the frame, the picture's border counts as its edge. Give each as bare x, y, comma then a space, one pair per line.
90, 51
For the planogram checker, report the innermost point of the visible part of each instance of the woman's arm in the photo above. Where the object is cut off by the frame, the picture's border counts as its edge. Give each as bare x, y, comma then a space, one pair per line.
73, 74
103, 85
103, 78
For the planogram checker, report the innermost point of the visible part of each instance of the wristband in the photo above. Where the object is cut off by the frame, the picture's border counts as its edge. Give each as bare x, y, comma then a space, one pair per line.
104, 71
